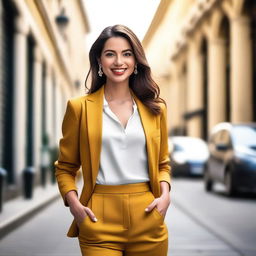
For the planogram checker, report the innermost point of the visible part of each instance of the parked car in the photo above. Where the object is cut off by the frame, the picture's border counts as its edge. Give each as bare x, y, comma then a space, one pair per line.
188, 155
232, 159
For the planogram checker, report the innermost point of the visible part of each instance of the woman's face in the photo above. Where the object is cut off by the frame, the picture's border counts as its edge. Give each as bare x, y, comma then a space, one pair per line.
117, 60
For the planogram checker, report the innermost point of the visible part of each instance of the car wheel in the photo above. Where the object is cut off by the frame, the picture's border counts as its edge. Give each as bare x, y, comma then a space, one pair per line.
229, 183
208, 183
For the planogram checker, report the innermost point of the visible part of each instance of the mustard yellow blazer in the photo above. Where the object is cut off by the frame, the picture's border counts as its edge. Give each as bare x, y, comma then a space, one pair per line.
81, 146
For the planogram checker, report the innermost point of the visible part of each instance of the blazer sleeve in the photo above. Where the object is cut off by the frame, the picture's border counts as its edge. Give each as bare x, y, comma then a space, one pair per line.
164, 159
68, 162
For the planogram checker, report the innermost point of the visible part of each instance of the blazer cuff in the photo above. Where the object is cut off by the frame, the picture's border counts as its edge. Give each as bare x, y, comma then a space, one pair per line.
65, 190
165, 176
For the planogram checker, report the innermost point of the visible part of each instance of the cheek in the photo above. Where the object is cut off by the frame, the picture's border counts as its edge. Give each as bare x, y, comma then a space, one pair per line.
106, 62
131, 63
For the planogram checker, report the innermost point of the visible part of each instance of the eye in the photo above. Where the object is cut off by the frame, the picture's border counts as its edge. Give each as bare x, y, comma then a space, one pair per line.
109, 54
128, 54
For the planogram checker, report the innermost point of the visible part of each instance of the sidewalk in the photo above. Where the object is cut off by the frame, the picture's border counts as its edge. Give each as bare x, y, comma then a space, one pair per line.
18, 210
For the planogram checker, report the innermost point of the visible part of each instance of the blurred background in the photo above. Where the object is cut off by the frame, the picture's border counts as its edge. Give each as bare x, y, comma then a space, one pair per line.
203, 56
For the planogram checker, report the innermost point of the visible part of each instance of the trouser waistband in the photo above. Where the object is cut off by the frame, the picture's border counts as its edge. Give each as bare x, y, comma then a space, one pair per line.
124, 188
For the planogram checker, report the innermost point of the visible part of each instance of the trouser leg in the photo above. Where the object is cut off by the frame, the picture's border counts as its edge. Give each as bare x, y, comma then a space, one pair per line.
123, 226
148, 233
94, 250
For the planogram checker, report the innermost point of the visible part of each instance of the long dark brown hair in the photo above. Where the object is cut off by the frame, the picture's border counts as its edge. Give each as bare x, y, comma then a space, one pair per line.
142, 84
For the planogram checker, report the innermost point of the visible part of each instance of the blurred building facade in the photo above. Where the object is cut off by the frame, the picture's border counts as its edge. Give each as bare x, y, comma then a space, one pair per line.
43, 62
203, 55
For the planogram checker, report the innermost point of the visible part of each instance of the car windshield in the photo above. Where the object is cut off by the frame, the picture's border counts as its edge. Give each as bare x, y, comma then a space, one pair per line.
244, 136
189, 145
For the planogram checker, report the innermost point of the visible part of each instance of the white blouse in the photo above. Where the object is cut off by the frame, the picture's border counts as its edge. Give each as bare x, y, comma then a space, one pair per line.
123, 158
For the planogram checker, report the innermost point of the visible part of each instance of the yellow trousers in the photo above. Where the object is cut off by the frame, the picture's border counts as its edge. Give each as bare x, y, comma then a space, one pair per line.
123, 226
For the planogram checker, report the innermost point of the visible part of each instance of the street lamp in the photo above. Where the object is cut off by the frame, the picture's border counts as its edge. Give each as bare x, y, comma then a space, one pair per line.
62, 20
77, 84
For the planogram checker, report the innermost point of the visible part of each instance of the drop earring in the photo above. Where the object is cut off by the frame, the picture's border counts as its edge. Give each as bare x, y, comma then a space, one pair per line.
100, 72
135, 70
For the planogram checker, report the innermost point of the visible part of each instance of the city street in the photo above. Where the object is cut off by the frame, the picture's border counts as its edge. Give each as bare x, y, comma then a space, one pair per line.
199, 224
106, 91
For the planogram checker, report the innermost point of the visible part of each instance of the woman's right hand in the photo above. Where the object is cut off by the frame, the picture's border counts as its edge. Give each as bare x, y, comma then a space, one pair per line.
79, 211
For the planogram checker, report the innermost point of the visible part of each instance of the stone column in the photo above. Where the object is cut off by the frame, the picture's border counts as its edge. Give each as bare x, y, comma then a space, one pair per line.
217, 82
194, 89
37, 118
59, 111
58, 102
182, 98
241, 70
20, 94
49, 104
1, 85
176, 101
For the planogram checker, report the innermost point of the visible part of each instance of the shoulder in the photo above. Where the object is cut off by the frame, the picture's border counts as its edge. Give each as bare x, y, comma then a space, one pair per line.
163, 112
163, 108
77, 100
75, 104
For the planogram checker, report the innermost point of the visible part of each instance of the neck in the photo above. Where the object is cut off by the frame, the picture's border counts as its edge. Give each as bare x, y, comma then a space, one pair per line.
117, 91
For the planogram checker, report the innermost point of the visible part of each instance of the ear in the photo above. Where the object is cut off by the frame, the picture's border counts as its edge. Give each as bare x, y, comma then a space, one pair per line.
98, 60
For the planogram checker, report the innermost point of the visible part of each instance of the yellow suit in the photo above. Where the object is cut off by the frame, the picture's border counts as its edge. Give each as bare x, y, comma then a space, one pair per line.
81, 146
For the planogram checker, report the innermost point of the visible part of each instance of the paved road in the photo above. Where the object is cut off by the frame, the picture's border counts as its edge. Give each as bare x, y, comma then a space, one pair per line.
230, 219
44, 234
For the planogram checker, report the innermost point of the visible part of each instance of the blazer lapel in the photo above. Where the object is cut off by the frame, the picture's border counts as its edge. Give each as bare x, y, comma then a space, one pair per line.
94, 117
148, 121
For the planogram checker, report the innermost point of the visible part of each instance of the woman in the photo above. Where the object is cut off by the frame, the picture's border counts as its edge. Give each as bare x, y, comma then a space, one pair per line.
118, 134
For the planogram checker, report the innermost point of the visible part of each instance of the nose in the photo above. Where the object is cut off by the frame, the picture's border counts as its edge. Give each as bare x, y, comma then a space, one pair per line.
118, 60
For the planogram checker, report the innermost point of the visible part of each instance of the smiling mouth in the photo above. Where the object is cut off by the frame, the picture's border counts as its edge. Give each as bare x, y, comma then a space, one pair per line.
118, 71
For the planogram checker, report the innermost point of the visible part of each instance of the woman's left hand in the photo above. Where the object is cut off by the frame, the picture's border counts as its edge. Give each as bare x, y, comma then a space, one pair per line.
161, 203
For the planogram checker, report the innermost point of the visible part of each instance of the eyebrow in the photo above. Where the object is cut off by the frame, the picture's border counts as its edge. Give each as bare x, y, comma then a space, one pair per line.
130, 50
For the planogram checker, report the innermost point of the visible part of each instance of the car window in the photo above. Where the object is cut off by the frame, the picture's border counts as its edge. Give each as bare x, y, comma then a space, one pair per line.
225, 138
214, 138
177, 148
244, 136
190, 145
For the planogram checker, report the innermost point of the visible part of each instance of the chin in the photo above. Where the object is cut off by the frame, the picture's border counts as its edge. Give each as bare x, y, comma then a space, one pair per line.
118, 79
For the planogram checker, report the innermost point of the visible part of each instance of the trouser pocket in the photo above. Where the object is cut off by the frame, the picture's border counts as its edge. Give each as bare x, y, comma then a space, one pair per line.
89, 205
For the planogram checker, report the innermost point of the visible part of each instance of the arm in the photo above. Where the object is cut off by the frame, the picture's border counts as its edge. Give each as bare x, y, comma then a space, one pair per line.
164, 159
162, 203
68, 162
